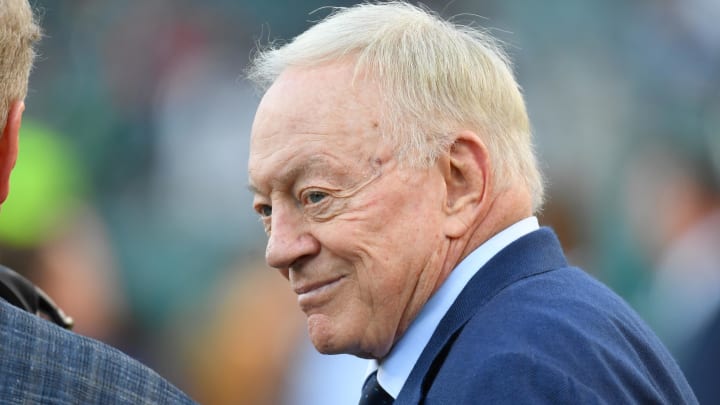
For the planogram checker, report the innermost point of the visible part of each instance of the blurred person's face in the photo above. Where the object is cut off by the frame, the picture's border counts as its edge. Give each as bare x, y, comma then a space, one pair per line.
10, 130
358, 235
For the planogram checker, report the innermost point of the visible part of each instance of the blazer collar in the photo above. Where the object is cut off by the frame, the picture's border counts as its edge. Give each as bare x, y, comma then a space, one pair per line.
534, 253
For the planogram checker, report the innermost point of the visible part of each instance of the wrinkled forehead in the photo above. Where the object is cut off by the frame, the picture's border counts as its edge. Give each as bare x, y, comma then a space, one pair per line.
326, 98
310, 112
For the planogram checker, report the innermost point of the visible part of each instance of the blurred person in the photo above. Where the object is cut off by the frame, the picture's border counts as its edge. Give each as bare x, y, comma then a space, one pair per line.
271, 362
242, 353
673, 208
702, 363
62, 247
392, 167
681, 234
42, 362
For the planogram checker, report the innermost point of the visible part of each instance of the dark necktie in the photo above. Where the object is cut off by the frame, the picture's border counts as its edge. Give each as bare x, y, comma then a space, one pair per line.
373, 393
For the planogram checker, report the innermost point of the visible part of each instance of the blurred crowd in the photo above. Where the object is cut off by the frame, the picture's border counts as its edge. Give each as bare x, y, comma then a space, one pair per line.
138, 221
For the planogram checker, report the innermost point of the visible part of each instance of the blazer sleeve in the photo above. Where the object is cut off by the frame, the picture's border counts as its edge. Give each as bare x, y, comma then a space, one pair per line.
42, 363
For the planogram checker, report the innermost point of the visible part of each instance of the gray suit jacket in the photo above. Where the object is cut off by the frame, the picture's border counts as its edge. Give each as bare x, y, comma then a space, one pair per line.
41, 363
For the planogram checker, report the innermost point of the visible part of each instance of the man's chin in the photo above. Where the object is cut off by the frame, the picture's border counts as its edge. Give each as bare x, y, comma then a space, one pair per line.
322, 334
330, 338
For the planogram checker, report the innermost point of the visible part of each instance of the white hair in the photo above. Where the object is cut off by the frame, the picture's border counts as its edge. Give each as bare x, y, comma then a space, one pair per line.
437, 78
18, 34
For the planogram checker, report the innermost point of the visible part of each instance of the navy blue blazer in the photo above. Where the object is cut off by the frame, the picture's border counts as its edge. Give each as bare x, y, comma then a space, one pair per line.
530, 329
41, 363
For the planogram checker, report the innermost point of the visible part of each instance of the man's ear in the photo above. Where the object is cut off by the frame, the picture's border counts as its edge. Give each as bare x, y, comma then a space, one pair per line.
9, 145
466, 169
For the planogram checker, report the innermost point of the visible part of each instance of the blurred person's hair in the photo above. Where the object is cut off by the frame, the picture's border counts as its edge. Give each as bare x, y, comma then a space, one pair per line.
18, 34
436, 77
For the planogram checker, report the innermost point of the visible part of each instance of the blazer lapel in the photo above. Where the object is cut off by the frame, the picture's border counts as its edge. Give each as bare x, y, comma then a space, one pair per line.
535, 253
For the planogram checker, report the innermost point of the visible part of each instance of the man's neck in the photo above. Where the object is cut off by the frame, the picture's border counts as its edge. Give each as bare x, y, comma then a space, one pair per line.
505, 208
396, 367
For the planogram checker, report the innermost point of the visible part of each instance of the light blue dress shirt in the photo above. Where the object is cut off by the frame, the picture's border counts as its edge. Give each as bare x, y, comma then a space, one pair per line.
396, 367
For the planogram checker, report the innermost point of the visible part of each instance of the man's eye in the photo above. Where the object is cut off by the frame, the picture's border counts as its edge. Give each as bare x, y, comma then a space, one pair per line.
264, 210
315, 197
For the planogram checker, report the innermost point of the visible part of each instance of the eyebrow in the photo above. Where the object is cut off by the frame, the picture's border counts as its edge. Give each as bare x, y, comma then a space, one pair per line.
313, 164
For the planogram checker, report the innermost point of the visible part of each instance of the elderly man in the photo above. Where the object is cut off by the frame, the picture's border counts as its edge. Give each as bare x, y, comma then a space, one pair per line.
392, 167
41, 363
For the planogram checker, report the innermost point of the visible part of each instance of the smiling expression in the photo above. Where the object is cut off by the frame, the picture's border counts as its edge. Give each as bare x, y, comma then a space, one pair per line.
357, 234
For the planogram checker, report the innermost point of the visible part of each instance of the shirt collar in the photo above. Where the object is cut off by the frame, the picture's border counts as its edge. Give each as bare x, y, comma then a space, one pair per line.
396, 367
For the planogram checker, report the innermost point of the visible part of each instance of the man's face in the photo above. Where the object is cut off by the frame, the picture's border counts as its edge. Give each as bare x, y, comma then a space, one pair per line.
358, 235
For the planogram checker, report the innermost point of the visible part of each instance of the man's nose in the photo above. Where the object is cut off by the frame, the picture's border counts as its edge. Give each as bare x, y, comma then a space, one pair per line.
290, 240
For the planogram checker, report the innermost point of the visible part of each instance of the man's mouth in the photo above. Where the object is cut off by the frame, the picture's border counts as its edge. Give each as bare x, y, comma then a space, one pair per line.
309, 293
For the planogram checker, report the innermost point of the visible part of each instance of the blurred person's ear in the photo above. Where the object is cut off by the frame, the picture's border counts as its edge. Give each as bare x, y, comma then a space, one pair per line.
9, 145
